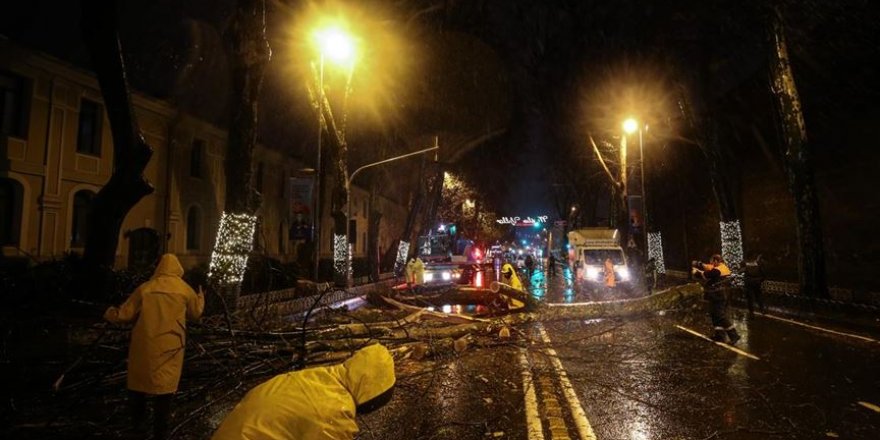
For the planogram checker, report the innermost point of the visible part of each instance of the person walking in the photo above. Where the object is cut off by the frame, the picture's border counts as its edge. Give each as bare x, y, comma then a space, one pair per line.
754, 277
315, 403
551, 265
717, 275
159, 309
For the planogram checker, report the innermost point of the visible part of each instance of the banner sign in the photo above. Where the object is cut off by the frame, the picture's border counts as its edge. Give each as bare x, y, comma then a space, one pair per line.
300, 207
519, 221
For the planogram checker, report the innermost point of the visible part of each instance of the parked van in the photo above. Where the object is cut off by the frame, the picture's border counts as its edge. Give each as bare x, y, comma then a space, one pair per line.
588, 250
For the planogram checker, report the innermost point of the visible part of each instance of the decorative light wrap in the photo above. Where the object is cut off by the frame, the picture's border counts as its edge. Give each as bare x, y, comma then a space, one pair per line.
341, 254
402, 252
732, 249
235, 240
655, 251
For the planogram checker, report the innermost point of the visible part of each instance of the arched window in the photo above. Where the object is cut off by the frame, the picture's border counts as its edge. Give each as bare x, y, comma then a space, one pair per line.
10, 211
82, 207
193, 229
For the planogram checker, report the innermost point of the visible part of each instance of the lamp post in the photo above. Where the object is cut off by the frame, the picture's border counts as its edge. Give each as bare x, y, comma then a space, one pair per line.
630, 126
348, 188
339, 48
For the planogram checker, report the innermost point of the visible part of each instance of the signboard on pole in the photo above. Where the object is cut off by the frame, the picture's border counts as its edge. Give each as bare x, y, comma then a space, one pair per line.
300, 207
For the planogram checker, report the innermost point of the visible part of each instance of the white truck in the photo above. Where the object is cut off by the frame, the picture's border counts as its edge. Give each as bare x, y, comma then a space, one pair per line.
589, 248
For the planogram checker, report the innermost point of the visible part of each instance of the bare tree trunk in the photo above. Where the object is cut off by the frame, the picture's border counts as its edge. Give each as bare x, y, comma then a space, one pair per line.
404, 245
374, 220
434, 198
131, 153
798, 165
249, 55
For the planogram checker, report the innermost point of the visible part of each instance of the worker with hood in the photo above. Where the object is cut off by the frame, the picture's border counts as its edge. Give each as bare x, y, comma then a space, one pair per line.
315, 403
509, 277
717, 276
159, 309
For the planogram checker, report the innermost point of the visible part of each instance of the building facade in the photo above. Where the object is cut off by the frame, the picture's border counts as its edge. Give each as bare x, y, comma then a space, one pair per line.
56, 152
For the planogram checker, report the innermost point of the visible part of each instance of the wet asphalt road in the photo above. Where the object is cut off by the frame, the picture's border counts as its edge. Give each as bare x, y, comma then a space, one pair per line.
644, 378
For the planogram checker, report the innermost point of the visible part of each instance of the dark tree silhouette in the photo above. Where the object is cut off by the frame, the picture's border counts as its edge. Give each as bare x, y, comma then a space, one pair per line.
131, 153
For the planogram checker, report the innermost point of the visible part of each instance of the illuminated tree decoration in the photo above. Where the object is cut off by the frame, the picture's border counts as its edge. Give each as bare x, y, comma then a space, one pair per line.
732, 249
655, 251
402, 252
235, 240
341, 254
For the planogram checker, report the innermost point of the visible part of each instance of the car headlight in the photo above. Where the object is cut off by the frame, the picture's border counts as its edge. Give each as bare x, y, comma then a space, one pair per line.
429, 276
592, 273
446, 276
624, 273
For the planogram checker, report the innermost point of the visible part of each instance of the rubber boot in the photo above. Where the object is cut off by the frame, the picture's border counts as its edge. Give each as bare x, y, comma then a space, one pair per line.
733, 335
719, 335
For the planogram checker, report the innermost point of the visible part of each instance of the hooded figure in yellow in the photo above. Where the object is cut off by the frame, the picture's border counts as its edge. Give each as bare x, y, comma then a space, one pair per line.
316, 403
509, 277
159, 309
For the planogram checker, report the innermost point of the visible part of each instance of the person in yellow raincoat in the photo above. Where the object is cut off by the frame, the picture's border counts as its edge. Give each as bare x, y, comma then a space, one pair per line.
509, 277
315, 403
159, 309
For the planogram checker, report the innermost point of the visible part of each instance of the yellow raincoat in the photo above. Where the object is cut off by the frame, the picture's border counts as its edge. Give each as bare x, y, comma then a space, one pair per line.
160, 307
316, 403
514, 279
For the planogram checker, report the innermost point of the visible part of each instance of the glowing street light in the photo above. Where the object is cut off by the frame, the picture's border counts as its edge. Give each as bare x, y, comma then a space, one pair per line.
336, 45
339, 47
630, 125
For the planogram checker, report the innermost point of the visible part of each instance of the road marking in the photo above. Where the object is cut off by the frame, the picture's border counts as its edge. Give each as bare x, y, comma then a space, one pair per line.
577, 410
870, 406
533, 421
851, 335
720, 344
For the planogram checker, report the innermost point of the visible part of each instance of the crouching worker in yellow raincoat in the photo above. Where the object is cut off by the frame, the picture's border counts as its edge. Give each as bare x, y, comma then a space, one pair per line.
159, 309
315, 403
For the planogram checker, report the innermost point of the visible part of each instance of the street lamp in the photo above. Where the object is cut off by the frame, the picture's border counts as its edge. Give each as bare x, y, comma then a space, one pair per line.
630, 126
338, 47
348, 188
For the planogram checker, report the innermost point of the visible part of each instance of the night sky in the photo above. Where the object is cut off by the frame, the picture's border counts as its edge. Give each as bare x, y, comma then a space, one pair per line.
527, 80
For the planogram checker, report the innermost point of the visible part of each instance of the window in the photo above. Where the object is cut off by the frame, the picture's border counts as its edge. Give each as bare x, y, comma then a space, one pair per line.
10, 211
193, 229
282, 244
196, 158
12, 105
258, 180
82, 207
88, 141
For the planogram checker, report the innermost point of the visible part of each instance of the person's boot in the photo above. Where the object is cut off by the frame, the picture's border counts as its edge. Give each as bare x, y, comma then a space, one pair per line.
719, 335
733, 335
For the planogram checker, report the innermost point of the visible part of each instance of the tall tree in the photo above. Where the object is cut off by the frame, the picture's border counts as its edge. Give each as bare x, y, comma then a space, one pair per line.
127, 184
249, 54
798, 163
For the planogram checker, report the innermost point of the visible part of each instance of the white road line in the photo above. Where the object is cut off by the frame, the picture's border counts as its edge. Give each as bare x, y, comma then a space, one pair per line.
727, 346
870, 406
851, 335
577, 410
533, 420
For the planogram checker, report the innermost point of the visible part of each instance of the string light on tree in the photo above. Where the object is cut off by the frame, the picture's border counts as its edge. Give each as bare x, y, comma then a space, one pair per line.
732, 249
655, 251
341, 254
402, 252
235, 240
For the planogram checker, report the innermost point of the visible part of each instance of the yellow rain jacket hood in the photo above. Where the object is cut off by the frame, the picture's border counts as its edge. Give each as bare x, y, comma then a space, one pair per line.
514, 279
316, 403
160, 308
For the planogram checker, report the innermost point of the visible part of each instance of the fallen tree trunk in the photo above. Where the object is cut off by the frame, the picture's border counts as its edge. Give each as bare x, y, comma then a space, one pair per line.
665, 299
